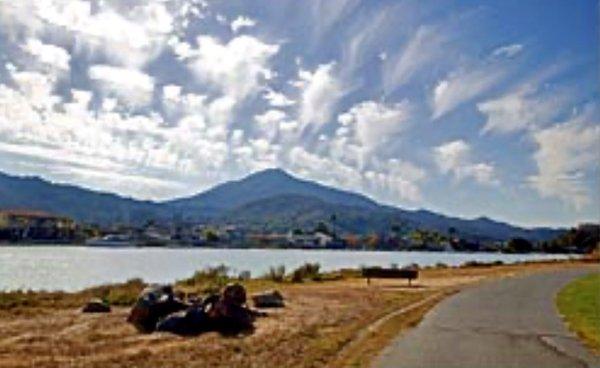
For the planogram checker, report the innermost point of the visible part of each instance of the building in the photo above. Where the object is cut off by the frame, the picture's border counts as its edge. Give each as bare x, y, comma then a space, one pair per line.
308, 240
28, 225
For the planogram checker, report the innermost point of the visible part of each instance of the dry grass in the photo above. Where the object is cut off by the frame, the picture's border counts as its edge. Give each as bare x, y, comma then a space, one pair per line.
316, 329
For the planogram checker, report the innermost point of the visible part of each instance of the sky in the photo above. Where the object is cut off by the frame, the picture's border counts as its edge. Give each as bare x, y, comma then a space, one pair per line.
468, 108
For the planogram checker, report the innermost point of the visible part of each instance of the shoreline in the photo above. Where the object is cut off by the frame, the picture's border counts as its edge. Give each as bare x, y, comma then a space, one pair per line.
191, 247
298, 257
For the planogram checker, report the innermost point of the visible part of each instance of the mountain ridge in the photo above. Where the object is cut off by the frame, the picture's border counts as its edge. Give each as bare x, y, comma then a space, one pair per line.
271, 195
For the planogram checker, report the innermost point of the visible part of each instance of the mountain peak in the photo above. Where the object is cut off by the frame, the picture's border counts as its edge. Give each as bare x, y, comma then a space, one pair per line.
268, 183
271, 172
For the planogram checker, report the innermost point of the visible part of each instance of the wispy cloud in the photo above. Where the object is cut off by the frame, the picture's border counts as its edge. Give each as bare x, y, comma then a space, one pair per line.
508, 50
427, 44
464, 85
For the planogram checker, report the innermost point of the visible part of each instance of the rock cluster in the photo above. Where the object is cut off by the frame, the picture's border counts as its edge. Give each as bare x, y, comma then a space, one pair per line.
158, 309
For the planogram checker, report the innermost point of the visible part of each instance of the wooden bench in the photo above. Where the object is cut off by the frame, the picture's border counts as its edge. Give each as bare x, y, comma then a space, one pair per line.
390, 273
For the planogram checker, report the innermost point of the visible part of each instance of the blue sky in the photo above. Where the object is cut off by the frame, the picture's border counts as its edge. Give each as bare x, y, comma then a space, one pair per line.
469, 108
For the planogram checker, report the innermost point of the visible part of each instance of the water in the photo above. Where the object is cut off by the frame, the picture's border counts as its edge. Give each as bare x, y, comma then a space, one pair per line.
75, 268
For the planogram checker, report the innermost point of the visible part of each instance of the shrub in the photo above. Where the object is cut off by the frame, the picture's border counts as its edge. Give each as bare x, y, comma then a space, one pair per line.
276, 274
209, 280
307, 271
120, 294
209, 274
244, 276
476, 264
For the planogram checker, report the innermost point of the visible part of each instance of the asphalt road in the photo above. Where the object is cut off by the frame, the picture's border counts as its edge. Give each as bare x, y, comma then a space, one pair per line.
505, 323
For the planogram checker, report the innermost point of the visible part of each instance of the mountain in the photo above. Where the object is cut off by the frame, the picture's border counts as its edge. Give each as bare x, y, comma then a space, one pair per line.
283, 212
290, 211
81, 204
262, 185
270, 199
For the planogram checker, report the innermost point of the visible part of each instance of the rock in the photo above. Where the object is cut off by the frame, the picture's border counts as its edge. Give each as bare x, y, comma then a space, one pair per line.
234, 294
192, 322
154, 303
268, 299
96, 306
230, 318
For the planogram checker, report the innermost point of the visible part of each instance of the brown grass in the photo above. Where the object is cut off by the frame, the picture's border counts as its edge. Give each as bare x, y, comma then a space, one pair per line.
319, 326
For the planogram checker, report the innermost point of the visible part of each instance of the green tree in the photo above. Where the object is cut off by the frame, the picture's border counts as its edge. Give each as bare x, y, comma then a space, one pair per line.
519, 245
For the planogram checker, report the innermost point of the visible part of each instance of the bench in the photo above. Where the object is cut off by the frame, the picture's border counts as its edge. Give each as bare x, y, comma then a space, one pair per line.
390, 273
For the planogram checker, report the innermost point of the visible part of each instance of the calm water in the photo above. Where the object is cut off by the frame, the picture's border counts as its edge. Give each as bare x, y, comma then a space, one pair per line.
74, 268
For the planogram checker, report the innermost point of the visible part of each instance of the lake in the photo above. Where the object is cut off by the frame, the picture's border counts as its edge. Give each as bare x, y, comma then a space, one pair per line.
73, 268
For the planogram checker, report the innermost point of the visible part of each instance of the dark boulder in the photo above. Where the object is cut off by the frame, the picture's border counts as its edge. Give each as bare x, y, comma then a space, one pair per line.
154, 303
96, 306
234, 294
189, 323
268, 299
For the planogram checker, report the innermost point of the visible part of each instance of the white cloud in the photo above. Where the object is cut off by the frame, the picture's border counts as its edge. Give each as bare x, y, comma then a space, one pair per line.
464, 85
242, 22
276, 126
522, 109
508, 51
47, 54
277, 99
564, 153
320, 92
455, 158
323, 168
67, 137
36, 89
129, 35
394, 180
373, 123
237, 67
131, 86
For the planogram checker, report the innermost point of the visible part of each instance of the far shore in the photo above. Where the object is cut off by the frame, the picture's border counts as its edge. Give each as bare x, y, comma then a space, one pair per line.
226, 246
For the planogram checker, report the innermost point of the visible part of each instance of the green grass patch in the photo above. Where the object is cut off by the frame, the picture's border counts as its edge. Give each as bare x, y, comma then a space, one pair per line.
579, 303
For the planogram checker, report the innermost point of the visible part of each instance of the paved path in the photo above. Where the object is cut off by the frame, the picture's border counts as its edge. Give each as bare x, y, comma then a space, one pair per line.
505, 323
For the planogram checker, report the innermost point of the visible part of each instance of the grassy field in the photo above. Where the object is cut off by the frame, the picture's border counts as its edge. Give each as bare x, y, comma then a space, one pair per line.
333, 320
579, 303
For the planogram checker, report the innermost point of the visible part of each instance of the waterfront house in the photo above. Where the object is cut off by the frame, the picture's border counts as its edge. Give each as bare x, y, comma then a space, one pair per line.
30, 225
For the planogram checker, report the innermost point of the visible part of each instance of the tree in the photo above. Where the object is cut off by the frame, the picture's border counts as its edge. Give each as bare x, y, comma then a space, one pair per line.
519, 245
322, 228
333, 219
211, 236
372, 241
